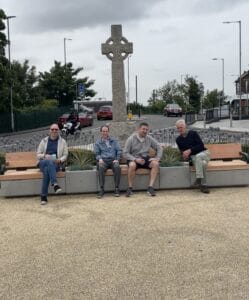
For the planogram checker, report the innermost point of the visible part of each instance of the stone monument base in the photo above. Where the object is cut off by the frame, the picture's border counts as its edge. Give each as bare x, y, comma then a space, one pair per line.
122, 130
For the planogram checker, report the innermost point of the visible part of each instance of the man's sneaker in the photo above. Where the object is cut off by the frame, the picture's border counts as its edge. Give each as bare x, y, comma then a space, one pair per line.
116, 192
101, 193
151, 191
204, 189
57, 189
44, 200
197, 182
129, 192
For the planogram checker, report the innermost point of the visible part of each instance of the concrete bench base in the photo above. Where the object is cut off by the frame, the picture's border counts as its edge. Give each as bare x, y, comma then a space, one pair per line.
26, 187
217, 178
175, 177
87, 181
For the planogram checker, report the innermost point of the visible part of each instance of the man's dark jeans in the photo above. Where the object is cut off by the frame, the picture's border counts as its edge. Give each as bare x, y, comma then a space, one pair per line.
108, 164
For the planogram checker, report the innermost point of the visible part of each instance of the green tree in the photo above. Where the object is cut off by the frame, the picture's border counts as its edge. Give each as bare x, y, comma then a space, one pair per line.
193, 92
61, 82
212, 99
4, 68
171, 92
3, 40
25, 90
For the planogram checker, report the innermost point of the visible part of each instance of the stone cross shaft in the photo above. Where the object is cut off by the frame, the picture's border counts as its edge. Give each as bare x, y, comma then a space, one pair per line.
117, 48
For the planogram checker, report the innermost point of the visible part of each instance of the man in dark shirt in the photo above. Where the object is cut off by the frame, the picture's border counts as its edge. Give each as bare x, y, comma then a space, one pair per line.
193, 150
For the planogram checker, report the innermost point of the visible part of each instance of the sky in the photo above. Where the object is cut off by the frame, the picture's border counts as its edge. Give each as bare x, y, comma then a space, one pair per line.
171, 38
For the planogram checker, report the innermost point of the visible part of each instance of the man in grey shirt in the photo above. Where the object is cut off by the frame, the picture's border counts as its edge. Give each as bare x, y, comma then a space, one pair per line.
136, 152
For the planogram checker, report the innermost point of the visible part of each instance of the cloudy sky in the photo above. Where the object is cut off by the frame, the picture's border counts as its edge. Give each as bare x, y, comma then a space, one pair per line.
170, 38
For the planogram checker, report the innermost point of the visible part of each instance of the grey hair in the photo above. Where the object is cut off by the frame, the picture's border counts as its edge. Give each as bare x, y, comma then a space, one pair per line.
180, 122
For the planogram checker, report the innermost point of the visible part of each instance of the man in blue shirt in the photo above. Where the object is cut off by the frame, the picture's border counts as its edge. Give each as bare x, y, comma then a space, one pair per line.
108, 152
51, 153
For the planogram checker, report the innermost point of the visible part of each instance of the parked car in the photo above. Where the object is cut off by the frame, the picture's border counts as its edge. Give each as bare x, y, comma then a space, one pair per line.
104, 113
86, 119
172, 110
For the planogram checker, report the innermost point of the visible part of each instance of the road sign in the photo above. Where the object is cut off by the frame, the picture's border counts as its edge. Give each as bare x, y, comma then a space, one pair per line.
81, 89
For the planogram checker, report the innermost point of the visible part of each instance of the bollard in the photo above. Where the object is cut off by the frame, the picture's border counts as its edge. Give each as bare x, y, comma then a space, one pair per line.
129, 115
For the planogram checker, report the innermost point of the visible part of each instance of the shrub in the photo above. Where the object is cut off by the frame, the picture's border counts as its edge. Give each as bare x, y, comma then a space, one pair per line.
245, 148
171, 157
2, 162
2, 158
80, 159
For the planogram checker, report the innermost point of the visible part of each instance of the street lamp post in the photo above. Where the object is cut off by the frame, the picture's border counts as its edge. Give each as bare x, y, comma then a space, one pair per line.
223, 95
65, 52
11, 92
238, 22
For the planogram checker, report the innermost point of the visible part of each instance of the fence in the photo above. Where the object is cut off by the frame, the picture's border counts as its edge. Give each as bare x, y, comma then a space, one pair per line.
32, 119
168, 136
190, 117
30, 142
86, 139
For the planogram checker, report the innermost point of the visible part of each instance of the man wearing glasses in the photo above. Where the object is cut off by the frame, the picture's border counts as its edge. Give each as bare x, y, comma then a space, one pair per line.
52, 152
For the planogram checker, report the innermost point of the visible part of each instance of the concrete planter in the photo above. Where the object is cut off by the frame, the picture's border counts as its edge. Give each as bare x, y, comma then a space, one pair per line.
82, 181
141, 182
27, 187
226, 177
174, 177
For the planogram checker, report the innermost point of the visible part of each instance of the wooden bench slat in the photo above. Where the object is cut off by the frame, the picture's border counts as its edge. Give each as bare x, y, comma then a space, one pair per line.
21, 160
235, 164
27, 174
124, 171
224, 151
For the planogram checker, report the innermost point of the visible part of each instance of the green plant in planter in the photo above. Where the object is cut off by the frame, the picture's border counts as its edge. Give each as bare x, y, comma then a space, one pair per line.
2, 162
245, 148
171, 157
80, 159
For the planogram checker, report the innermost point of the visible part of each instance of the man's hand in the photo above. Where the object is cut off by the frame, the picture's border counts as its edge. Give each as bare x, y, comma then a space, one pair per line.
115, 161
140, 161
101, 162
186, 154
48, 156
153, 158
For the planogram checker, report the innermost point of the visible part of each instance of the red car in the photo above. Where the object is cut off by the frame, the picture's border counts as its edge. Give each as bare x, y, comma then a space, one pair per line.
172, 110
84, 118
104, 113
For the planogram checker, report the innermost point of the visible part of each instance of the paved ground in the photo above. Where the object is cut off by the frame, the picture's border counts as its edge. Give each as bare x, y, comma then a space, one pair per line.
226, 124
179, 245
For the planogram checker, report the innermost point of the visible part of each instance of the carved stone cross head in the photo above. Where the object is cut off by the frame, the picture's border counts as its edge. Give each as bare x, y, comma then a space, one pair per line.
117, 47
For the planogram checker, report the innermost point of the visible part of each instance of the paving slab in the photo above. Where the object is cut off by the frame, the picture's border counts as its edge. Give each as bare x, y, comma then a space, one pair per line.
180, 244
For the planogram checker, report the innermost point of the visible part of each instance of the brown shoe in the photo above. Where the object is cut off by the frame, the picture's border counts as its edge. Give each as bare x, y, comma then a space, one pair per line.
204, 189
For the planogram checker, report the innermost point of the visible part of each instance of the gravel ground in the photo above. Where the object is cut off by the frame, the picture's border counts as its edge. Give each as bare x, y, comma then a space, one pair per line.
179, 245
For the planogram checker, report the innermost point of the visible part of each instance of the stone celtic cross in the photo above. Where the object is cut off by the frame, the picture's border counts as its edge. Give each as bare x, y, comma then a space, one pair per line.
117, 48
